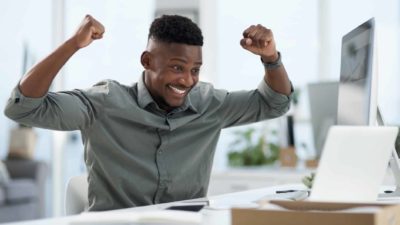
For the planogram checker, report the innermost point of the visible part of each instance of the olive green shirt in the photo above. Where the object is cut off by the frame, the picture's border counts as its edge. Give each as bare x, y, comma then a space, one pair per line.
137, 154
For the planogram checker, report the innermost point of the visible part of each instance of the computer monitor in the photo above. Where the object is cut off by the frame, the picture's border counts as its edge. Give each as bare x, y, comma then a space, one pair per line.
357, 97
323, 98
353, 100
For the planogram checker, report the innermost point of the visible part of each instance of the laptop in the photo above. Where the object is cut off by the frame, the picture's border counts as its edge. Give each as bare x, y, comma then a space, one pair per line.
353, 163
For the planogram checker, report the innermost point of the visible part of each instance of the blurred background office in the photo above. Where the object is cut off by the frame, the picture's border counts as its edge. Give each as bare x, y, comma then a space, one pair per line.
308, 34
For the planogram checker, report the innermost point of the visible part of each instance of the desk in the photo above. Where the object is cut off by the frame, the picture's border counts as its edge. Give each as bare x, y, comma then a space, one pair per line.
217, 214
242, 179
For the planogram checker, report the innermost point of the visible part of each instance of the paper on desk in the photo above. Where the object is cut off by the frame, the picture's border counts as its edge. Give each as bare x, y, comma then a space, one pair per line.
148, 217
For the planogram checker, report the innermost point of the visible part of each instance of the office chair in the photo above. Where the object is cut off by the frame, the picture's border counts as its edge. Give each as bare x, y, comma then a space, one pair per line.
76, 196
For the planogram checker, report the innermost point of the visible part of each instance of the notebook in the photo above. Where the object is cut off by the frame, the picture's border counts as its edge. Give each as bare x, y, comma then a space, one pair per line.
353, 163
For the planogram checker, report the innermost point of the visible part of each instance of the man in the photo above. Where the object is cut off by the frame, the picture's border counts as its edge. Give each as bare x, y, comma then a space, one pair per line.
154, 141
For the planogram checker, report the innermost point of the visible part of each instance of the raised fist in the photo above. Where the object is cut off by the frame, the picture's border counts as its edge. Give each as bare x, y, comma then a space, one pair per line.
260, 41
89, 30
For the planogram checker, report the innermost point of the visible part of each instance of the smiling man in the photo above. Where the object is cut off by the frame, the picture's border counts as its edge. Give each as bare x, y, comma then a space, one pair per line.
172, 60
171, 71
153, 141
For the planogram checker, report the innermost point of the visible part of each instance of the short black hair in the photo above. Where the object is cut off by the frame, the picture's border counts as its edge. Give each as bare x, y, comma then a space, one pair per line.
176, 29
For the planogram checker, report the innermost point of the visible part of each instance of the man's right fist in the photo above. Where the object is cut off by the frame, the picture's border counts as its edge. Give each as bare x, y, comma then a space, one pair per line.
89, 30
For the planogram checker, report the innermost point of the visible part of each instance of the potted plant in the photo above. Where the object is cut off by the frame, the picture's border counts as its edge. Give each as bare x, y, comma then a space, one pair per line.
248, 149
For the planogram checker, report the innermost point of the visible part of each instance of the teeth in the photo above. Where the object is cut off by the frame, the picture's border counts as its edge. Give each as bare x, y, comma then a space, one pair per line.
177, 90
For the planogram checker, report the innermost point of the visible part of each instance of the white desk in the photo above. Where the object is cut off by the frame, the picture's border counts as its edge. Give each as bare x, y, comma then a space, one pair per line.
243, 179
217, 214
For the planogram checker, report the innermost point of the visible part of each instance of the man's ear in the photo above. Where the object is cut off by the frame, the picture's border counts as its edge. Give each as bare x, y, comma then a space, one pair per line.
145, 59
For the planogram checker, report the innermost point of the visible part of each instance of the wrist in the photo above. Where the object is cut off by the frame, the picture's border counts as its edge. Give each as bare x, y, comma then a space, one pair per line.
271, 58
275, 63
72, 44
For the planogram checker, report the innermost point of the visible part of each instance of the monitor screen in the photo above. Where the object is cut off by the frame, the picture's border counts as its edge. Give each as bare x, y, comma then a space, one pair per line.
357, 88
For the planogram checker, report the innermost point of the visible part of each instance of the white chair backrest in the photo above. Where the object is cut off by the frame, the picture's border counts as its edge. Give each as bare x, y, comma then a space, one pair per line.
76, 196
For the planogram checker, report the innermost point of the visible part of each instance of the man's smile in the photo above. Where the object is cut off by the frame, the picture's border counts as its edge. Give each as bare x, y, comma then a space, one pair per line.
178, 90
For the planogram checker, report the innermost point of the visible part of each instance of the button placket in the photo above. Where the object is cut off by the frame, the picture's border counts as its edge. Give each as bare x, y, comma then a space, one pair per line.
162, 170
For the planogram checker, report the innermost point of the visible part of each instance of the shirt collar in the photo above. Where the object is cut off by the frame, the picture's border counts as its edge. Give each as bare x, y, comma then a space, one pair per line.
144, 98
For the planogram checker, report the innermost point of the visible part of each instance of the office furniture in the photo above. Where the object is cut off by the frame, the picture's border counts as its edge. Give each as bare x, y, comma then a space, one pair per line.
221, 182
235, 180
23, 197
243, 179
76, 198
76, 195
217, 214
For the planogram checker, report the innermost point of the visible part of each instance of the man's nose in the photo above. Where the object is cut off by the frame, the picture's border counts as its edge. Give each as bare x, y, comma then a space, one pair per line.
186, 79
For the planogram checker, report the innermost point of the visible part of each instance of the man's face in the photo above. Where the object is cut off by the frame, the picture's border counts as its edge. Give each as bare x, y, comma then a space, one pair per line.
171, 71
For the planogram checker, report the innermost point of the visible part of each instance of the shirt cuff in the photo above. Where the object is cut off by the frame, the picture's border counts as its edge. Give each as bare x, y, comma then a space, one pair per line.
17, 98
268, 93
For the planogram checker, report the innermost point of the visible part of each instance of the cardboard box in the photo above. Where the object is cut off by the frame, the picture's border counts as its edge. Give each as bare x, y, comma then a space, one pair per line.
282, 212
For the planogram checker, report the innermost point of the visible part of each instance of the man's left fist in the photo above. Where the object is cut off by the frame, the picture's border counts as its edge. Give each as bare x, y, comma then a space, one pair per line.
260, 41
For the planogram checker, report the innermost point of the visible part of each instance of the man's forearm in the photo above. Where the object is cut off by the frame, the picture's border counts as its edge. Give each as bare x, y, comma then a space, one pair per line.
37, 81
278, 80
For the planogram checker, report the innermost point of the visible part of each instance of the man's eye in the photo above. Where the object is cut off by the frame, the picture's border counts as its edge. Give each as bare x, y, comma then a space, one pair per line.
177, 68
196, 71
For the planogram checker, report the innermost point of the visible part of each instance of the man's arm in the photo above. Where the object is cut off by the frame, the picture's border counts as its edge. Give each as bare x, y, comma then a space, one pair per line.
31, 104
272, 97
37, 81
260, 41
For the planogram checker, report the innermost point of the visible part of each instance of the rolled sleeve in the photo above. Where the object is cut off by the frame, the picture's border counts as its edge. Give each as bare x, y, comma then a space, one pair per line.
19, 104
66, 110
277, 101
274, 97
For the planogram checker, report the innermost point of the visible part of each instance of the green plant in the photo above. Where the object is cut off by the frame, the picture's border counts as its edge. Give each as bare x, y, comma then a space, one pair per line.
247, 152
308, 180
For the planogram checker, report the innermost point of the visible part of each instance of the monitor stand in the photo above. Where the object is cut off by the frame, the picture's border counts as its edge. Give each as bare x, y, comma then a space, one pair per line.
394, 164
